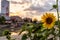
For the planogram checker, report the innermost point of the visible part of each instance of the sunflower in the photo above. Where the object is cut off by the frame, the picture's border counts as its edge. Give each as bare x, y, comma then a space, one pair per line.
34, 19
48, 20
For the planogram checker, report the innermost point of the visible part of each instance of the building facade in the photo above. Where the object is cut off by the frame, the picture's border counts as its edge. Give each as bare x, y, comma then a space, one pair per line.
4, 8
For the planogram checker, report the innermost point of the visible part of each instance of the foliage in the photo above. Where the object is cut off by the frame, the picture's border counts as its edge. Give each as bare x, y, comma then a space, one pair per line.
24, 37
36, 31
7, 34
2, 19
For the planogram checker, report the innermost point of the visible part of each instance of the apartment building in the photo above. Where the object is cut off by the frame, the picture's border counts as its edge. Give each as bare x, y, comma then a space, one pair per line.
4, 8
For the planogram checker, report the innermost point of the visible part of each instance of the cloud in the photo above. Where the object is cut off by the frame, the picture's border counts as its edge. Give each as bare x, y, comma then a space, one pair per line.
36, 5
41, 5
33, 7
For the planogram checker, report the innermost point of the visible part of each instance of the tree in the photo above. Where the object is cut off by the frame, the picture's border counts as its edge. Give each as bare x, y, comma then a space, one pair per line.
2, 19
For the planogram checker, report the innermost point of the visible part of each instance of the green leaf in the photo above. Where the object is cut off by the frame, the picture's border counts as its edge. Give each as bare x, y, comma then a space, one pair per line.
36, 38
24, 37
6, 32
55, 6
37, 28
8, 37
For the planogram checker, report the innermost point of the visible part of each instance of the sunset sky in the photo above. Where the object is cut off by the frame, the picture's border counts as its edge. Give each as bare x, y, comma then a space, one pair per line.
31, 7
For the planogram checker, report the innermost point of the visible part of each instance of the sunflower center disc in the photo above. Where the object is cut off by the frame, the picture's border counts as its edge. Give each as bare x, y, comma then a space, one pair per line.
49, 20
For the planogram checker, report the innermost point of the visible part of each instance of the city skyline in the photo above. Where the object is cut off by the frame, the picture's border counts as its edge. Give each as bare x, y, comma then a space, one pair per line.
30, 8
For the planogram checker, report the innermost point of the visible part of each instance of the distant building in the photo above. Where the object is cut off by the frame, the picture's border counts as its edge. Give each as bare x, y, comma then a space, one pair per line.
27, 19
5, 9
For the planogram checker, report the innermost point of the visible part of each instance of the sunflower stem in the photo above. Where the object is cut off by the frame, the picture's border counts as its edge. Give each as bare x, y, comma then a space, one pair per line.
58, 14
57, 11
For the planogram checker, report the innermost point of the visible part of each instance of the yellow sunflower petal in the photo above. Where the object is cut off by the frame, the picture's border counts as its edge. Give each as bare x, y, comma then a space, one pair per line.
48, 20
